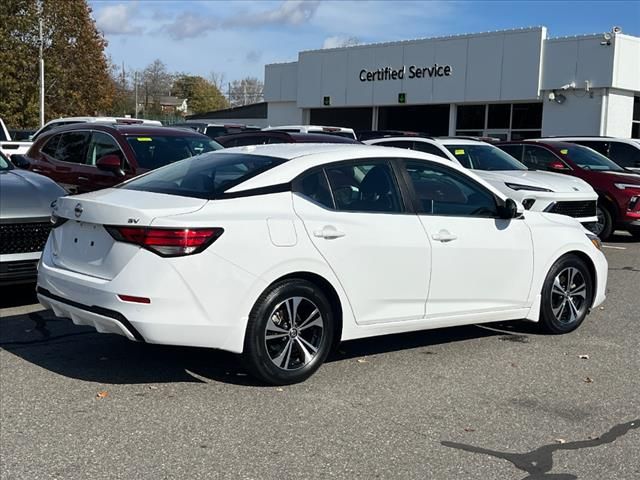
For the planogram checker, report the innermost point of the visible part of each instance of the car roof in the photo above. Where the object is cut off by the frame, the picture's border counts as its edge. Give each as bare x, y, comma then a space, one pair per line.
545, 142
441, 141
631, 141
303, 156
296, 137
127, 129
306, 127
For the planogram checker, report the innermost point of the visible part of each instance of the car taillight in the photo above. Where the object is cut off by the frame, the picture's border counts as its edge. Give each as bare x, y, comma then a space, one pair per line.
167, 242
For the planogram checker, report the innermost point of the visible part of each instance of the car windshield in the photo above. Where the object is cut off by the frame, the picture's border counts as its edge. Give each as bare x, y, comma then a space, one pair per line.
484, 157
154, 151
589, 159
207, 176
4, 163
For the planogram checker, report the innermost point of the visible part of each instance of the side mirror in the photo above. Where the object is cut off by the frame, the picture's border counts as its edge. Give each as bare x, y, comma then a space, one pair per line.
110, 163
20, 161
510, 209
558, 167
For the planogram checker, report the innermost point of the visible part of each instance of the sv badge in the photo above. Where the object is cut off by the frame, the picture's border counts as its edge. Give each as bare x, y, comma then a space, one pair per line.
133, 220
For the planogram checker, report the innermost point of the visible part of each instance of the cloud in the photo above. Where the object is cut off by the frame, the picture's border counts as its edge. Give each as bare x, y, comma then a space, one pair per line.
288, 12
253, 56
338, 41
116, 19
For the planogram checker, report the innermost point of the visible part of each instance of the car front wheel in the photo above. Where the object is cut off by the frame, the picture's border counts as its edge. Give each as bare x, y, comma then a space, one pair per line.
603, 228
567, 295
289, 333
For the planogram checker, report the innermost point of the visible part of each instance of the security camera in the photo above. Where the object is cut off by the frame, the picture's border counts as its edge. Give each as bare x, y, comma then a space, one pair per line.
560, 99
616, 30
568, 86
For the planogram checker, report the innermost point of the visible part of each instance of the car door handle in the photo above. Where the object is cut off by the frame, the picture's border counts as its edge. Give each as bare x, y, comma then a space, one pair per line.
37, 170
328, 232
83, 179
444, 236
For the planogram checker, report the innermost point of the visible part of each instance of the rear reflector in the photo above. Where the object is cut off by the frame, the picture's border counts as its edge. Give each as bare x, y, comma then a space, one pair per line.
167, 242
131, 298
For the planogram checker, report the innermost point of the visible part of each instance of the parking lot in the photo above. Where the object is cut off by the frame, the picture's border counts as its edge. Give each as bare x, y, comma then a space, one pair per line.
477, 402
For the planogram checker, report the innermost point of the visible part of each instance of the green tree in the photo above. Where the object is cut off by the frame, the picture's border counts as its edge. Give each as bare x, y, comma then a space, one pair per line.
201, 94
77, 78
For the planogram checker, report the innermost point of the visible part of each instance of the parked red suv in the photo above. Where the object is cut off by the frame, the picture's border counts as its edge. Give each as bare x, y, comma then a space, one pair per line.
88, 156
618, 188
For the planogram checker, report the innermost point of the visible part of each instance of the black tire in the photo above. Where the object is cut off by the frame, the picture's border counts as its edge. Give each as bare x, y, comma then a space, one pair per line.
268, 359
558, 314
605, 217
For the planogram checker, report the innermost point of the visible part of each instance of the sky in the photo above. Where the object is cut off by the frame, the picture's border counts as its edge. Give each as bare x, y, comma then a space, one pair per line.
236, 38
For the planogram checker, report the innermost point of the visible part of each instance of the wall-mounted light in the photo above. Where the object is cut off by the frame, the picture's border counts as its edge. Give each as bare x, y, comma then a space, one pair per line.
606, 39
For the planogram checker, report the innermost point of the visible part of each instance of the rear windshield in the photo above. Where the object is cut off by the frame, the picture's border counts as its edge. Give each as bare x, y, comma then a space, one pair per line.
484, 157
206, 176
589, 159
154, 151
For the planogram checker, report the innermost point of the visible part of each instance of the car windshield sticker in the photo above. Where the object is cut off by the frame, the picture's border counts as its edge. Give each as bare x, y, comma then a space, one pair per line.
564, 151
144, 139
459, 151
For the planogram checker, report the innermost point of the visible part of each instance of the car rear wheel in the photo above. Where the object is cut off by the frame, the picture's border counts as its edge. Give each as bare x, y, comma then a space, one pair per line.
603, 228
289, 334
567, 295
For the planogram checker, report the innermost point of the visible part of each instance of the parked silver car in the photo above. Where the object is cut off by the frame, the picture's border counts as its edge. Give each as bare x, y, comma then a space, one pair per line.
25, 210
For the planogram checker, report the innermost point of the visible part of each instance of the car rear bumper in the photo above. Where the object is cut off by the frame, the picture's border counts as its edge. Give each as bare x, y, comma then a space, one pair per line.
192, 302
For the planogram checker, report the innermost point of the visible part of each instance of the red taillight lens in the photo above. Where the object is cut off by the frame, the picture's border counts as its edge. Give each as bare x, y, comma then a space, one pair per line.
168, 242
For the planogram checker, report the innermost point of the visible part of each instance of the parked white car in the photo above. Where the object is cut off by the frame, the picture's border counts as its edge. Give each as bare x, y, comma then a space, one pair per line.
11, 147
279, 252
536, 190
340, 131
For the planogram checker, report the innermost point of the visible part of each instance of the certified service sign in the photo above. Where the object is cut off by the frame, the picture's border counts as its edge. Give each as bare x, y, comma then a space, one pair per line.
411, 71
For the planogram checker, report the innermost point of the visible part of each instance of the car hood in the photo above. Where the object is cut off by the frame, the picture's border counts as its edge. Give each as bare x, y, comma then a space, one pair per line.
556, 182
25, 194
621, 177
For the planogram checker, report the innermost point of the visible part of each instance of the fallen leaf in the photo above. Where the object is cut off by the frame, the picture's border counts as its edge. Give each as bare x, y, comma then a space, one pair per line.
279, 389
601, 308
588, 380
514, 365
102, 394
560, 440
469, 429
152, 387
362, 360
583, 357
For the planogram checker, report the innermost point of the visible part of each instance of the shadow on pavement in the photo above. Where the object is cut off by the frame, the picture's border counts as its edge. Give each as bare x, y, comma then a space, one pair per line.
80, 352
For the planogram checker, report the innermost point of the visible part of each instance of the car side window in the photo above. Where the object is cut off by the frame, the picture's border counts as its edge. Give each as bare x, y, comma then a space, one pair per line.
625, 155
398, 144
538, 158
315, 187
443, 191
49, 148
514, 150
364, 187
72, 147
429, 148
102, 145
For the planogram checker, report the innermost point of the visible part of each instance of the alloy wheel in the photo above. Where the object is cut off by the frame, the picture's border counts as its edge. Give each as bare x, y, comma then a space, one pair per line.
568, 295
293, 333
597, 227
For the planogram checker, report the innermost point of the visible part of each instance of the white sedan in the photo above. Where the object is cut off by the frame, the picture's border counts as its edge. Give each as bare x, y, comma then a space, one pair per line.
279, 252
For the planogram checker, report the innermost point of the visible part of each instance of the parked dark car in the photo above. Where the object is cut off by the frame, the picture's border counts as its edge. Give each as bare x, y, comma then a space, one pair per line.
215, 130
618, 189
25, 211
275, 136
624, 151
21, 135
90, 156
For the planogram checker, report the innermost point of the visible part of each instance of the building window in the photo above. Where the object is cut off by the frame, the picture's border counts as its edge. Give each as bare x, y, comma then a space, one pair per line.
507, 121
635, 124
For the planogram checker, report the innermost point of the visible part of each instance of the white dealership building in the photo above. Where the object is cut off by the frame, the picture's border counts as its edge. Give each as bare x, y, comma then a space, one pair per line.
508, 84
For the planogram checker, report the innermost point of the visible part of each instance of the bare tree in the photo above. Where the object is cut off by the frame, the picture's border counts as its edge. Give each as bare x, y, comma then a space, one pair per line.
156, 82
246, 91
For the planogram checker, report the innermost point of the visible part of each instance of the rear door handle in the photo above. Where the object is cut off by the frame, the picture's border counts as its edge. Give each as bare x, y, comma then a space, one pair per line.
328, 232
444, 236
83, 179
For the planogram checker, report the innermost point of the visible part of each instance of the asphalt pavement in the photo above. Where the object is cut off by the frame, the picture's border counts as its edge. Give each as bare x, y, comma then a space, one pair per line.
498, 401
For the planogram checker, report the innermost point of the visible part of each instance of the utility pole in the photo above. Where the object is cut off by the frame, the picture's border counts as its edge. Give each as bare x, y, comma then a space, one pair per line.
135, 81
41, 72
